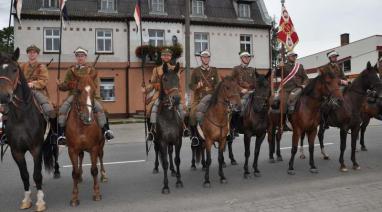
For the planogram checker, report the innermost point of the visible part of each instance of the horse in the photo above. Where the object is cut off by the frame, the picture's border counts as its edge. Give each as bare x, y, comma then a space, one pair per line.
25, 127
370, 109
84, 134
215, 125
306, 118
169, 126
349, 116
256, 119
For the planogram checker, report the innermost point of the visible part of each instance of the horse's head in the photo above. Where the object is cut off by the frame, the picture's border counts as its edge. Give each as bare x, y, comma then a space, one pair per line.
371, 83
170, 85
9, 75
327, 86
260, 98
84, 99
229, 92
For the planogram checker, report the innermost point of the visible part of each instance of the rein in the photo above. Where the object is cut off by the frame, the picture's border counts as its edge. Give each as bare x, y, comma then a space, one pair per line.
14, 85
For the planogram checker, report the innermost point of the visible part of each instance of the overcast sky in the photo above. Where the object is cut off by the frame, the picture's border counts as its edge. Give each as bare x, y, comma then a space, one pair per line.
319, 23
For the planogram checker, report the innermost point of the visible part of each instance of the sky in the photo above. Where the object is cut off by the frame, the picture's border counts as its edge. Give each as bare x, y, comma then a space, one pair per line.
318, 23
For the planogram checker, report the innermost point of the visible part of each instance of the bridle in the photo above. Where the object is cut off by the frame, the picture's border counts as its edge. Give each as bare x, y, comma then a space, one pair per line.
14, 99
87, 120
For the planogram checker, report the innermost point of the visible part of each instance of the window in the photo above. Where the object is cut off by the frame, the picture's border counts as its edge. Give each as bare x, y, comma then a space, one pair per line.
246, 43
201, 42
108, 5
198, 7
104, 41
51, 40
346, 66
157, 6
156, 37
107, 89
50, 4
244, 11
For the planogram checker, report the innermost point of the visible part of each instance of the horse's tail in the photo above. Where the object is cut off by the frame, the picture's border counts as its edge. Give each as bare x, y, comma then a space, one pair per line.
49, 147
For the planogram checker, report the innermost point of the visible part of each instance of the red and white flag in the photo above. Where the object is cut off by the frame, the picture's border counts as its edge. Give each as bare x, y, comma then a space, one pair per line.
287, 33
137, 15
18, 4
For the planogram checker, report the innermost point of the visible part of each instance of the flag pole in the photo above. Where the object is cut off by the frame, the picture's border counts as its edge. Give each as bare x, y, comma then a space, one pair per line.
59, 65
282, 78
9, 26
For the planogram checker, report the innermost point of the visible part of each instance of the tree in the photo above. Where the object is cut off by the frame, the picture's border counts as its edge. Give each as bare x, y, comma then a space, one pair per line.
275, 44
6, 34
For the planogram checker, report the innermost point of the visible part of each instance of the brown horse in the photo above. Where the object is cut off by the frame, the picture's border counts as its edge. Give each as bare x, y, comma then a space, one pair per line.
215, 126
306, 117
84, 134
370, 109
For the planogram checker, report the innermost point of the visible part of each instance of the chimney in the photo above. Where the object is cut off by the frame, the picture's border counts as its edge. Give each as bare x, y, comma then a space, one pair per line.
345, 39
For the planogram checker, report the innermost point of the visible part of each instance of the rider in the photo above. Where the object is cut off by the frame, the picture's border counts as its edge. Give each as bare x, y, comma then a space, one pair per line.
335, 68
204, 80
69, 84
36, 74
245, 77
294, 80
152, 92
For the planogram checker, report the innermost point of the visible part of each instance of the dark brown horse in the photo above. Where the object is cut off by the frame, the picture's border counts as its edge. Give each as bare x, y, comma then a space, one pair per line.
306, 117
349, 116
215, 126
84, 134
370, 109
25, 127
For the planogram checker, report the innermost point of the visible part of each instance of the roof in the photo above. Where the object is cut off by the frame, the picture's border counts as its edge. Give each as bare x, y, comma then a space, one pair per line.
217, 12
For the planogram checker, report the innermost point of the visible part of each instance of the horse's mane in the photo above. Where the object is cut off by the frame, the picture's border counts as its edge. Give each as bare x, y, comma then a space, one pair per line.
26, 91
215, 96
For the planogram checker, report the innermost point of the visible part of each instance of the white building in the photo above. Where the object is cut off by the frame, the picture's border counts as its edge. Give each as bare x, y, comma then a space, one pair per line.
353, 55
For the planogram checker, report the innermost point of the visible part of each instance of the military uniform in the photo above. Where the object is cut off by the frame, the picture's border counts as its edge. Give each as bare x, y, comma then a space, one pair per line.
210, 78
244, 76
335, 68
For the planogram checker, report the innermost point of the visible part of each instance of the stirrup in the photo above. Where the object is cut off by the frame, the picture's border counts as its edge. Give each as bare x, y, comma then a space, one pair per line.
150, 136
108, 135
195, 139
61, 140
186, 132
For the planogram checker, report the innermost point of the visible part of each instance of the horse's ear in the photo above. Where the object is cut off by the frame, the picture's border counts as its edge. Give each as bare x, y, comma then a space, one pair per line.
16, 55
177, 68
368, 66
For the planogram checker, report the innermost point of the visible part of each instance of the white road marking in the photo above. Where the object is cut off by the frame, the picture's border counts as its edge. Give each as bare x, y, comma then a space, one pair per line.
325, 144
110, 163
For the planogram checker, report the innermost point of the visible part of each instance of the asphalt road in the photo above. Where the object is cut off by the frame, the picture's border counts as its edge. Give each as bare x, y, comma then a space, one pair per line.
133, 187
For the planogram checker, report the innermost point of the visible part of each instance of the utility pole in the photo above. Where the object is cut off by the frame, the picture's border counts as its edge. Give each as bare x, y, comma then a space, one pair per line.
187, 48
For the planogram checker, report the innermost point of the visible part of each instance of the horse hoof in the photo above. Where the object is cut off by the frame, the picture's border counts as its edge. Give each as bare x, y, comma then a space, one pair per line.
279, 159
56, 175
207, 185
40, 207
25, 205
363, 149
97, 197
291, 172
302, 157
326, 158
233, 162
193, 168
272, 160
247, 175
223, 181
165, 191
314, 171
356, 167
74, 203
344, 169
257, 174
155, 171
179, 184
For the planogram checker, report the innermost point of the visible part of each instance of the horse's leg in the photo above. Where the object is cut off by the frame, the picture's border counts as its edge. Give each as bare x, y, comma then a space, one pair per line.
81, 156
156, 162
230, 152
37, 177
363, 130
164, 160
354, 137
179, 183
302, 155
19, 158
271, 143
207, 183
311, 137
172, 169
74, 158
295, 138
278, 139
321, 133
94, 170
57, 173
204, 163
222, 143
247, 153
259, 141
104, 177
193, 166
343, 135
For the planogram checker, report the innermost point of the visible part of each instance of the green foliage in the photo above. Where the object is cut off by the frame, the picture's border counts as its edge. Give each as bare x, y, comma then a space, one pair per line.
6, 33
153, 53
275, 44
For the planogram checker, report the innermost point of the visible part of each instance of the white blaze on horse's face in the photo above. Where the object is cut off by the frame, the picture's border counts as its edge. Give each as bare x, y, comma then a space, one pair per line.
5, 66
88, 101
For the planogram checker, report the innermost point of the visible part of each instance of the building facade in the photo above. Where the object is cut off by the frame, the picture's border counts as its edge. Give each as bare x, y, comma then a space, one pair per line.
107, 28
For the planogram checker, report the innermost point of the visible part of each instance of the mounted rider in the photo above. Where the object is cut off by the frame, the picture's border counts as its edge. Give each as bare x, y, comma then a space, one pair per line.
333, 66
81, 68
152, 92
294, 81
204, 80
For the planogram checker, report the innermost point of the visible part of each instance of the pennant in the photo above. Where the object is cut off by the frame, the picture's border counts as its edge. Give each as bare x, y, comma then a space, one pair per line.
287, 34
137, 15
18, 4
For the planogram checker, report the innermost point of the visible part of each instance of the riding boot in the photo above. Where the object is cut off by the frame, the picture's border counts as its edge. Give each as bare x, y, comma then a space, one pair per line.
61, 140
3, 138
194, 136
106, 132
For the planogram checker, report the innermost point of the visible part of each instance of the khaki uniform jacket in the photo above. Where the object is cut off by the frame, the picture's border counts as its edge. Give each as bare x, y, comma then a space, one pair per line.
38, 74
298, 80
244, 76
210, 79
335, 68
